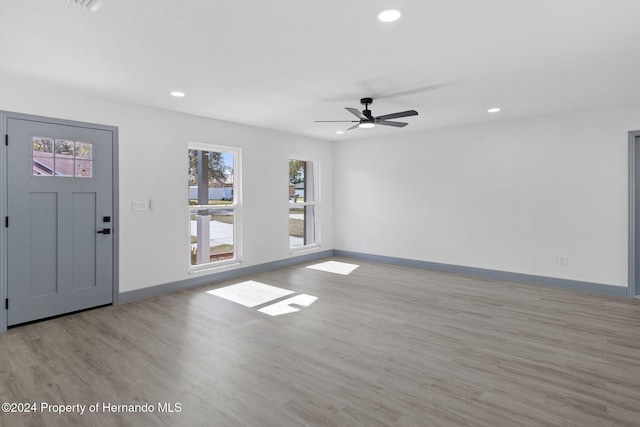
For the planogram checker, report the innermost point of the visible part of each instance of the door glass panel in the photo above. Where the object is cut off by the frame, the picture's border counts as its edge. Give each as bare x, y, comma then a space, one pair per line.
42, 152
64, 167
42, 166
61, 157
84, 168
83, 154
64, 148
42, 147
84, 150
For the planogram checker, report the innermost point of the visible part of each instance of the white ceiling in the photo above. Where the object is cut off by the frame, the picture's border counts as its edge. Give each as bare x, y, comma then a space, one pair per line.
283, 64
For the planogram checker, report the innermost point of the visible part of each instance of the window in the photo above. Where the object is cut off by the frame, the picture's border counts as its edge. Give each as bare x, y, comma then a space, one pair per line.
302, 204
213, 205
61, 157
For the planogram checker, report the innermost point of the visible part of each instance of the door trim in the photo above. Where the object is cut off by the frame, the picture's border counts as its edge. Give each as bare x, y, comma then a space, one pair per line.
634, 170
4, 117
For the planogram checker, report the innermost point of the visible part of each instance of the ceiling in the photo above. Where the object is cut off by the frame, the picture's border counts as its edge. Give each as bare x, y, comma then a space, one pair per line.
283, 64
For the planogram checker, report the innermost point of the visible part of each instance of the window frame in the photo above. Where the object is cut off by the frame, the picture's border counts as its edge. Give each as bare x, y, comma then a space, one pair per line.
235, 206
315, 203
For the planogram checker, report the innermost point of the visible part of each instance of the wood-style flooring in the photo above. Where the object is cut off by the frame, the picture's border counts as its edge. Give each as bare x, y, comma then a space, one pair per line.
383, 346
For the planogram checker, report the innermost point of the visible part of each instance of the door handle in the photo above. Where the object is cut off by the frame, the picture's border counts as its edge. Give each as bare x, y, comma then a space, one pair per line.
104, 231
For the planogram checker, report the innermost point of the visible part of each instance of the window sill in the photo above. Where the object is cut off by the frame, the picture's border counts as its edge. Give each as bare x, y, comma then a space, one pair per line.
210, 268
304, 249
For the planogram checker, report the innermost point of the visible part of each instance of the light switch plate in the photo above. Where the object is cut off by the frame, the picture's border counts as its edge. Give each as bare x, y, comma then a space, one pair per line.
140, 205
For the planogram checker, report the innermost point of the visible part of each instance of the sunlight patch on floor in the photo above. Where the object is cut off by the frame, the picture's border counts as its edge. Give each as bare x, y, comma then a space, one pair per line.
250, 293
335, 267
289, 305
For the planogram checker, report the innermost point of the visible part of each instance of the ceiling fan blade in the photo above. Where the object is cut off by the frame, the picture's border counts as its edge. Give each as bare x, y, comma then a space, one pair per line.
336, 121
354, 126
356, 113
395, 124
398, 115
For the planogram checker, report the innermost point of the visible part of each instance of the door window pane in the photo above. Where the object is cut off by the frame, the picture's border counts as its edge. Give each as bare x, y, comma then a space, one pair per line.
42, 147
64, 148
84, 168
42, 156
61, 157
64, 166
84, 150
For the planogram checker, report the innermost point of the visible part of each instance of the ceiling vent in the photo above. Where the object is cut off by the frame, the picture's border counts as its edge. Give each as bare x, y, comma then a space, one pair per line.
92, 5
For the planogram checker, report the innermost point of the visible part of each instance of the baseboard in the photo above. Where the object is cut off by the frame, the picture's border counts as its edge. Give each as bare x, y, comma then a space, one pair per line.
528, 279
209, 279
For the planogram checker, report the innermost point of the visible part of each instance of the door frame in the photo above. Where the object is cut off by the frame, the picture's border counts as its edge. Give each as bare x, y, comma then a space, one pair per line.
4, 117
634, 171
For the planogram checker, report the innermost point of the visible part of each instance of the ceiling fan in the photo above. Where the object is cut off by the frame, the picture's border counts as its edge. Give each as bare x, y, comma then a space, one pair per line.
367, 120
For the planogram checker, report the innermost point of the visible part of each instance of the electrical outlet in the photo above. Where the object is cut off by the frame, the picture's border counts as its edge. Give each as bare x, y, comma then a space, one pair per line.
563, 260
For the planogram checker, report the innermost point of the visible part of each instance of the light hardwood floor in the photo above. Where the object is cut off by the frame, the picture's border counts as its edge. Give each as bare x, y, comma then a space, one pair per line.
384, 346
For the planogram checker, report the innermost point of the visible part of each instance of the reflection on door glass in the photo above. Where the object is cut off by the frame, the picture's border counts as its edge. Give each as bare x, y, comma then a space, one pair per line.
63, 166
84, 150
84, 168
42, 147
61, 157
64, 148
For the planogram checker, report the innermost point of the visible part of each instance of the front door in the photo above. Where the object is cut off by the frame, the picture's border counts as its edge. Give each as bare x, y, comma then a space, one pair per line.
60, 216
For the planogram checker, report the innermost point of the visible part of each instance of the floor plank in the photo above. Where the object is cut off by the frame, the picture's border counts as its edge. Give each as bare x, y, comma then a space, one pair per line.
383, 346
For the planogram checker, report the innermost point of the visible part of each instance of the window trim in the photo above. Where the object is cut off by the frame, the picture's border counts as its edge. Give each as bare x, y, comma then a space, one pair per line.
236, 206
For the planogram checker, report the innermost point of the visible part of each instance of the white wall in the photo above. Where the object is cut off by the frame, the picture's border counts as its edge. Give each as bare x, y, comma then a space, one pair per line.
510, 196
154, 245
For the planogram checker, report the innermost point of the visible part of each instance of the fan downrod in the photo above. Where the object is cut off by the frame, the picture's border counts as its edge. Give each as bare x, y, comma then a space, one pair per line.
366, 101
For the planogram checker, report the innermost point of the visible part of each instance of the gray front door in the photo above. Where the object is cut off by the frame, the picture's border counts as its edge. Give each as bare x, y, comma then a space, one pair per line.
60, 209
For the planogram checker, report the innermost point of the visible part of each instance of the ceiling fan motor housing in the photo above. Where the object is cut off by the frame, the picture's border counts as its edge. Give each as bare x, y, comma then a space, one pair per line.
367, 113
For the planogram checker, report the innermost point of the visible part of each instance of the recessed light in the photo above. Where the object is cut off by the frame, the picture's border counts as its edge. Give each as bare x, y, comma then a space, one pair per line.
177, 94
493, 110
390, 15
366, 125
339, 132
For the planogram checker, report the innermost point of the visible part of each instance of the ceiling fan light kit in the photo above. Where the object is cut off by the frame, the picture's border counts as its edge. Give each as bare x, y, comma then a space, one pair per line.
390, 15
368, 120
